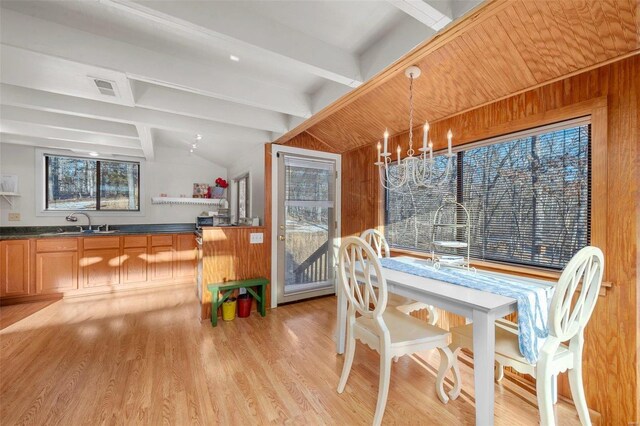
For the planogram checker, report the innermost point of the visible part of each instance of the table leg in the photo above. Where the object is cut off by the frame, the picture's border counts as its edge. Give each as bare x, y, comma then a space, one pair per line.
484, 342
341, 329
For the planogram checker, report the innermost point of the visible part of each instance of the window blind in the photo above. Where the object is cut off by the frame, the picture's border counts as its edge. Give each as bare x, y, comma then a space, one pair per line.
528, 195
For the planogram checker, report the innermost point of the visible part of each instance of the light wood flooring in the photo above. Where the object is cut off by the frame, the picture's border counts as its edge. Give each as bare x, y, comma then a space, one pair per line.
145, 358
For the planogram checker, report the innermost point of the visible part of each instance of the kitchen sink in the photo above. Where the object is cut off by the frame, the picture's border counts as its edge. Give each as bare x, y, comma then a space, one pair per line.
80, 233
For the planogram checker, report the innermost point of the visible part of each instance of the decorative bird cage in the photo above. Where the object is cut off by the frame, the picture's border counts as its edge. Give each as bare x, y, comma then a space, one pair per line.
451, 236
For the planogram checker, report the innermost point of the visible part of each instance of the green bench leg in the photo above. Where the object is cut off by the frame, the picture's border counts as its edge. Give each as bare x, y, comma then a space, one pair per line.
263, 301
214, 308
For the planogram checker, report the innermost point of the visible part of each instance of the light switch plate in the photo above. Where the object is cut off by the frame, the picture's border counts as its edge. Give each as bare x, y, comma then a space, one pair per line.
256, 238
14, 217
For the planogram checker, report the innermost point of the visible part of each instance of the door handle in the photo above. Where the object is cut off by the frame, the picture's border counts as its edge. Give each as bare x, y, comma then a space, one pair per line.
281, 237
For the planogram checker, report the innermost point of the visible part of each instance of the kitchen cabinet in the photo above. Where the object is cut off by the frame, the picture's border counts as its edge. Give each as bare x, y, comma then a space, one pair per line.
161, 263
101, 261
15, 273
134, 259
185, 255
56, 272
56, 267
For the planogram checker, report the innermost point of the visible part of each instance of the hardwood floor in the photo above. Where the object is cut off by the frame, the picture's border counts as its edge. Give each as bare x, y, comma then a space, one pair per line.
145, 358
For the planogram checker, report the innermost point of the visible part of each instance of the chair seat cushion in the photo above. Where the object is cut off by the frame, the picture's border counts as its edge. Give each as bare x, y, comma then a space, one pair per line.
405, 328
506, 340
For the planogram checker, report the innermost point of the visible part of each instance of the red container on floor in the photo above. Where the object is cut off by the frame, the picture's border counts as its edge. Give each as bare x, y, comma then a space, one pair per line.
244, 305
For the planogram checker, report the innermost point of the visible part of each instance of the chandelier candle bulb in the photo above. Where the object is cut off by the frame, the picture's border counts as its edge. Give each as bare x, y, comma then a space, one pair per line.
398, 154
386, 139
430, 150
379, 155
425, 135
449, 136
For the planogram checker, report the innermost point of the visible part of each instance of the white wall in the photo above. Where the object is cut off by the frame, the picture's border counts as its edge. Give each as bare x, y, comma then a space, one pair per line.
252, 162
173, 172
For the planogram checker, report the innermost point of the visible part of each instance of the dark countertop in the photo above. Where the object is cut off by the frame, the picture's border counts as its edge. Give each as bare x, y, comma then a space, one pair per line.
26, 232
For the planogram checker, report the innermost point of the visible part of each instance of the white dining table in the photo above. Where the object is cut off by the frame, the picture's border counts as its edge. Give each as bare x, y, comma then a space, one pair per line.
481, 307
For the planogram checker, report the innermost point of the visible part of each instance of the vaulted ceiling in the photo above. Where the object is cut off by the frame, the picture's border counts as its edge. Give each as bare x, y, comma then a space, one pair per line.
169, 64
504, 47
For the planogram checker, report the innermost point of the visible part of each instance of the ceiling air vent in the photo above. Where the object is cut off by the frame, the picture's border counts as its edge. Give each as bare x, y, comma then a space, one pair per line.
105, 87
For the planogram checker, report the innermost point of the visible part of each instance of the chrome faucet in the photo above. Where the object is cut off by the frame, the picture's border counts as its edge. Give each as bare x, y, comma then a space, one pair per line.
72, 218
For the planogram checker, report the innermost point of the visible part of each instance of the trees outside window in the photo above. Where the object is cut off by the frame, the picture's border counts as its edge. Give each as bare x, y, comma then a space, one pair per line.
85, 184
529, 199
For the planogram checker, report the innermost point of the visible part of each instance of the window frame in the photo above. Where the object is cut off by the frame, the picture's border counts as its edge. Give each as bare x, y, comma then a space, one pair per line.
41, 184
596, 110
236, 194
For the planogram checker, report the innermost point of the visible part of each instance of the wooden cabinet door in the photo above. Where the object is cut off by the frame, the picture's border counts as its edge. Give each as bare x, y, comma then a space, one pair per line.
134, 265
161, 263
101, 267
56, 272
185, 255
14, 277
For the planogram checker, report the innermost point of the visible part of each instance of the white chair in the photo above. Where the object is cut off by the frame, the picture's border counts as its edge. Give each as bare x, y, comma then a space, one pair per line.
567, 320
379, 244
388, 331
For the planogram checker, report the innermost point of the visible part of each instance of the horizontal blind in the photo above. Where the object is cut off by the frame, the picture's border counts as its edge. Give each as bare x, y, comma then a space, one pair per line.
529, 197
410, 210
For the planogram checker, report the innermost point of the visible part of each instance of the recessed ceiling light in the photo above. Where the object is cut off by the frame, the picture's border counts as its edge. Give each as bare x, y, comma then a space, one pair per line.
234, 58
198, 137
93, 154
194, 146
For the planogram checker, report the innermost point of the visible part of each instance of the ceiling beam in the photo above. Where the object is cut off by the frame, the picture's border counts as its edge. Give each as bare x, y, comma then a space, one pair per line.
249, 33
161, 98
68, 122
222, 81
425, 13
74, 146
146, 141
52, 102
30, 128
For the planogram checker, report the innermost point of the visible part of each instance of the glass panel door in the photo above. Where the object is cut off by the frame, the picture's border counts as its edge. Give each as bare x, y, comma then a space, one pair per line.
306, 227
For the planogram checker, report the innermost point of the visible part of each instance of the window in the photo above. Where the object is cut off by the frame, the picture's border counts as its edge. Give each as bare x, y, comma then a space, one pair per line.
74, 183
242, 196
528, 197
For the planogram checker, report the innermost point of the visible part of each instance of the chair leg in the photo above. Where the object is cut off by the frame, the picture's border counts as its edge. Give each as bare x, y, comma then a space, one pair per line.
433, 315
447, 361
383, 388
348, 361
554, 388
544, 394
499, 371
577, 391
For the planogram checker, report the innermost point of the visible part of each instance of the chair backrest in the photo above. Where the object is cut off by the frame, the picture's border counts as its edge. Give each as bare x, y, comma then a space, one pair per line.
567, 317
377, 241
358, 268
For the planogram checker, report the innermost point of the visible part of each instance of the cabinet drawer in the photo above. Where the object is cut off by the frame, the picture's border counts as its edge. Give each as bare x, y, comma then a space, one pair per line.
57, 244
101, 242
135, 241
161, 240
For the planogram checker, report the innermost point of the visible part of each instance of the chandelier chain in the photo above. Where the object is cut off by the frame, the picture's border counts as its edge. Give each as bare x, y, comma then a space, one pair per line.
410, 152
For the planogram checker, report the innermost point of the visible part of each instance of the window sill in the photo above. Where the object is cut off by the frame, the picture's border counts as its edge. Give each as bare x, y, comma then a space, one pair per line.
501, 267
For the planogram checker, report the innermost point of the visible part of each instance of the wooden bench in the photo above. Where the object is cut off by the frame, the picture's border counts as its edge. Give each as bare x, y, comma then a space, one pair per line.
228, 288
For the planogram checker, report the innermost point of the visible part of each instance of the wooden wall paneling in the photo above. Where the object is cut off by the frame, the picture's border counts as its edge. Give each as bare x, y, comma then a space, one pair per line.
15, 270
228, 256
307, 140
503, 48
610, 95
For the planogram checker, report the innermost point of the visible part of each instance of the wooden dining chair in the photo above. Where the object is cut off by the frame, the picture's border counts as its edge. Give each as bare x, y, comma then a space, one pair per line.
378, 242
580, 280
388, 331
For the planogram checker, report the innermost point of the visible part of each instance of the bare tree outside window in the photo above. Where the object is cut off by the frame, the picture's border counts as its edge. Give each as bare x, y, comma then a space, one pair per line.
529, 200
86, 184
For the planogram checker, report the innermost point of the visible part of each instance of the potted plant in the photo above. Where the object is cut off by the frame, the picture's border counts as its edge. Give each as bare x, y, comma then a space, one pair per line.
218, 190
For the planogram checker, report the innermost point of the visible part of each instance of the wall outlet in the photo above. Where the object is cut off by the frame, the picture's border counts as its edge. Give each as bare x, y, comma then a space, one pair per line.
14, 217
256, 238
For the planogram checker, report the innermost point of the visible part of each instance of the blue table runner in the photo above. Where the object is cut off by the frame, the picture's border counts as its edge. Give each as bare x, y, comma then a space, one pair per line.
533, 301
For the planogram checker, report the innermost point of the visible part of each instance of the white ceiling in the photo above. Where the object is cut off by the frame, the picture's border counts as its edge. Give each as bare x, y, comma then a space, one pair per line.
169, 61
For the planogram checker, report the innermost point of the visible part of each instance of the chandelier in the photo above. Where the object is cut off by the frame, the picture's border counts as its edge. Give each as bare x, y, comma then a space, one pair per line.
418, 169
